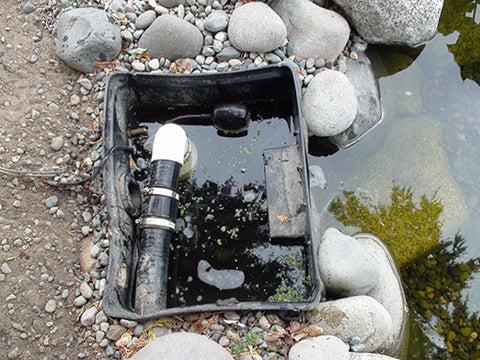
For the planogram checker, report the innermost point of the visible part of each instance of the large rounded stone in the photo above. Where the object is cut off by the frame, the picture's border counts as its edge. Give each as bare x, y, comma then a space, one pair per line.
85, 36
401, 22
183, 346
256, 27
356, 316
172, 37
325, 347
313, 32
346, 267
329, 104
387, 291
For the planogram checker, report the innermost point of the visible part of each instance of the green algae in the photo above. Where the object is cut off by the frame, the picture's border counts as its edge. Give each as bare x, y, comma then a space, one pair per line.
410, 230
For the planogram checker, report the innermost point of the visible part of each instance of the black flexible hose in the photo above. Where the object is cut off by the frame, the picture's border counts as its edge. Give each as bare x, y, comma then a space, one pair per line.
95, 173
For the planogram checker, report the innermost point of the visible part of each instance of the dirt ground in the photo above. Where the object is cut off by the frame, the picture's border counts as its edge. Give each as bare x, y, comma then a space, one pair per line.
39, 251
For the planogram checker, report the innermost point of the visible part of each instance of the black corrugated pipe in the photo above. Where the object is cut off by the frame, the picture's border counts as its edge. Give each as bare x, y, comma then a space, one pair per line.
157, 222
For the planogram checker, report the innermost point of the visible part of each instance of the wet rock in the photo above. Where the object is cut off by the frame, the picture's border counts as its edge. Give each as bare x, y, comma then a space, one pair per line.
312, 31
404, 22
172, 37
325, 347
329, 104
360, 316
346, 267
84, 36
145, 19
387, 291
221, 279
256, 27
216, 21
175, 347
369, 110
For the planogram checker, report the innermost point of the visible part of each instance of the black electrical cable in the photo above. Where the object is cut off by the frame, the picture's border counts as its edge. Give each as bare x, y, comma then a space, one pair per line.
95, 173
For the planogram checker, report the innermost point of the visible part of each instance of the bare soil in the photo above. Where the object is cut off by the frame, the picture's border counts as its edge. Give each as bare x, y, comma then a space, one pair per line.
41, 249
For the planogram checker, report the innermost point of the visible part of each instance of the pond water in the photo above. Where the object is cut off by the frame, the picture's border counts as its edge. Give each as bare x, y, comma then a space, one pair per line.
426, 145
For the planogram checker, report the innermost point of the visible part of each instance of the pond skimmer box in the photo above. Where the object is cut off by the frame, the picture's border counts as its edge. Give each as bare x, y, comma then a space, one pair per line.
243, 238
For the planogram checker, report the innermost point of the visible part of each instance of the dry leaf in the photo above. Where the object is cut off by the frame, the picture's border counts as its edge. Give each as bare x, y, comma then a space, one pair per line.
273, 337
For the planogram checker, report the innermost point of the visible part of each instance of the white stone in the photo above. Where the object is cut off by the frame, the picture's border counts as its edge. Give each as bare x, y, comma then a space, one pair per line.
346, 267
313, 31
329, 104
256, 27
325, 347
183, 346
360, 316
400, 22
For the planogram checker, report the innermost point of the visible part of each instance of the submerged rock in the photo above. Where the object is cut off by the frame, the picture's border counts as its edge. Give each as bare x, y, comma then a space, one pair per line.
256, 27
369, 111
85, 36
221, 279
402, 22
413, 145
313, 32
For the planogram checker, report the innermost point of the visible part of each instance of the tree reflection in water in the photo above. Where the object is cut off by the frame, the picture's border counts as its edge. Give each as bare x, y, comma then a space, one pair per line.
434, 281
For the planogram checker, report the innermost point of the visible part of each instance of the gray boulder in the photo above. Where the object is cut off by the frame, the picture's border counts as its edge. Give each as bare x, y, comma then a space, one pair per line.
360, 317
172, 37
313, 32
145, 19
346, 267
84, 36
183, 346
402, 22
329, 104
369, 110
171, 3
216, 21
388, 291
325, 347
256, 27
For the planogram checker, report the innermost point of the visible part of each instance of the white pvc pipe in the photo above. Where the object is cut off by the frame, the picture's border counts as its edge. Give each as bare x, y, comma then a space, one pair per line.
169, 143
